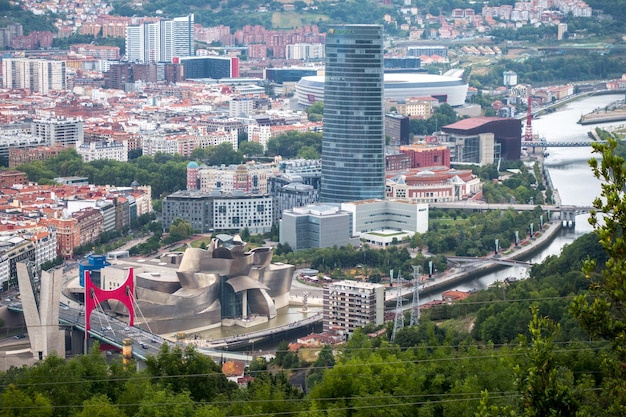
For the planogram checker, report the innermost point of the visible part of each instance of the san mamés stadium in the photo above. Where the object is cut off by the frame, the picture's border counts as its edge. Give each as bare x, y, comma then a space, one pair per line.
451, 90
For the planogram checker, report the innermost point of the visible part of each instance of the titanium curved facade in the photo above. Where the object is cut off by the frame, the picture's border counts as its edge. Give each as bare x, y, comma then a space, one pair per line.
396, 86
208, 287
353, 160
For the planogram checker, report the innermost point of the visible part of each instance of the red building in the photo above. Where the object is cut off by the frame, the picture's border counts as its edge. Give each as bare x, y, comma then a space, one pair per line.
10, 178
427, 155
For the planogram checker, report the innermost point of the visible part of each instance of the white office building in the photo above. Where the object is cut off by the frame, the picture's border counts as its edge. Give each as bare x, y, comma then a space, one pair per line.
64, 131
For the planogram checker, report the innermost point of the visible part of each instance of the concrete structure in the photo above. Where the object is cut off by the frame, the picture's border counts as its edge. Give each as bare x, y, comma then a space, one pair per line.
397, 215
106, 149
351, 304
249, 178
64, 131
40, 300
160, 41
374, 221
422, 155
353, 160
483, 140
433, 185
316, 226
509, 78
214, 67
14, 249
240, 107
10, 178
292, 190
21, 155
37, 75
208, 212
398, 129
305, 51
192, 176
397, 86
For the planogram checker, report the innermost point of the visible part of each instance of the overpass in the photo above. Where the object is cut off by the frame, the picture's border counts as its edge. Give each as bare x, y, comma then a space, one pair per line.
490, 259
565, 213
113, 331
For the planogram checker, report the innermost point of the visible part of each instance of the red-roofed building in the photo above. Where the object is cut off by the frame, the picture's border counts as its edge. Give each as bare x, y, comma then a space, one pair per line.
10, 178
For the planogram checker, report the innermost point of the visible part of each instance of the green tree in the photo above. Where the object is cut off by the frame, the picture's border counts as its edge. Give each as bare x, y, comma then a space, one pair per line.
17, 403
189, 371
251, 149
546, 387
602, 311
100, 406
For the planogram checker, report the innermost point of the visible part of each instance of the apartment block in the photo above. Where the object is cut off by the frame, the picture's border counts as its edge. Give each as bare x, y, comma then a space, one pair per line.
352, 304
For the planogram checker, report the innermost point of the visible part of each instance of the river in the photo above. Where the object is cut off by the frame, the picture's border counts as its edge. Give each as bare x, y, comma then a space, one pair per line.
570, 174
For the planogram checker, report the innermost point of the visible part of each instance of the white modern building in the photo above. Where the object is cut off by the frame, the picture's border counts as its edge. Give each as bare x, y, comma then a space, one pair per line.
316, 226
240, 107
305, 51
352, 304
451, 90
64, 131
37, 75
376, 222
160, 41
106, 149
397, 215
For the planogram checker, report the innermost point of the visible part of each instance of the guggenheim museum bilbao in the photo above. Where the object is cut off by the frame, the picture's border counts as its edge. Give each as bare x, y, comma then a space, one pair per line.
200, 288
446, 88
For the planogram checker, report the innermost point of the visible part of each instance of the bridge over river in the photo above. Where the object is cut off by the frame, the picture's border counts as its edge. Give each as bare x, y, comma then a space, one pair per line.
565, 213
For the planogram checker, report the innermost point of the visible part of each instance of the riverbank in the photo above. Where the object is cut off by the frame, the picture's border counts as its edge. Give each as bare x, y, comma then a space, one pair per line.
615, 112
483, 266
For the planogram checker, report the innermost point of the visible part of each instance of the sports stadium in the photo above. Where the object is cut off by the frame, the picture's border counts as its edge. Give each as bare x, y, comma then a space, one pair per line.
445, 88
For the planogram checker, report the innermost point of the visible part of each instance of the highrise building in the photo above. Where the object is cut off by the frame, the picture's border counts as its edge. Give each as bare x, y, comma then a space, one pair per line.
352, 304
160, 41
37, 75
353, 145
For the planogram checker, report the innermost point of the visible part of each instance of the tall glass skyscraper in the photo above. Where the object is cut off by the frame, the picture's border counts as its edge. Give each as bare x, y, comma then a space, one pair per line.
353, 145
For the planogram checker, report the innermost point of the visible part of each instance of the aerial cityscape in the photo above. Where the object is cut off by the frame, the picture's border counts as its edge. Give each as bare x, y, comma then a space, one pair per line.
231, 208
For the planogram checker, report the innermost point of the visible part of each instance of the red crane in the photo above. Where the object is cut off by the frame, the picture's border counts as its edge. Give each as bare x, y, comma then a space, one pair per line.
528, 131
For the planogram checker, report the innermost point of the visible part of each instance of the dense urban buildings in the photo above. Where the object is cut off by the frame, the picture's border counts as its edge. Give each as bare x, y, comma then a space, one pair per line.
353, 160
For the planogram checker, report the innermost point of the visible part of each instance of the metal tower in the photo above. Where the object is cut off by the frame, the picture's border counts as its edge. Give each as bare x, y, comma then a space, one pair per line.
398, 322
415, 307
528, 131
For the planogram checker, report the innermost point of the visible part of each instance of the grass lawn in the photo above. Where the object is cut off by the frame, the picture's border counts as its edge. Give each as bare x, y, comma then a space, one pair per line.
289, 20
462, 326
198, 242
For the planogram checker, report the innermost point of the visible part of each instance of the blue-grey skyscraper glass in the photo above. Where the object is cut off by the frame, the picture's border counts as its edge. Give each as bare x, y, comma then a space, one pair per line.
353, 157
